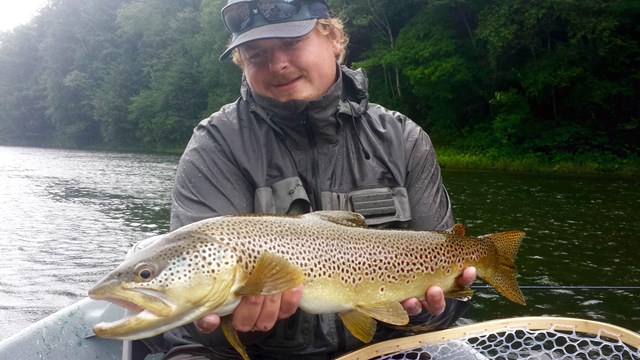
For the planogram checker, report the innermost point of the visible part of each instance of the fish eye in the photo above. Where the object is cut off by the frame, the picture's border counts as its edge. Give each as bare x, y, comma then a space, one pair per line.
144, 272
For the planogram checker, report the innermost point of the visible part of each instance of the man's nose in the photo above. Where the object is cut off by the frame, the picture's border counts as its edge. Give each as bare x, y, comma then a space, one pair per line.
279, 60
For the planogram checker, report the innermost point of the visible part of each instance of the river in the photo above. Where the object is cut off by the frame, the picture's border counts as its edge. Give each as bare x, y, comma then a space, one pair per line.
68, 217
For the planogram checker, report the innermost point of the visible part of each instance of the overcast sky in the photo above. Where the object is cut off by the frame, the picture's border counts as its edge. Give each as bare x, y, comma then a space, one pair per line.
18, 12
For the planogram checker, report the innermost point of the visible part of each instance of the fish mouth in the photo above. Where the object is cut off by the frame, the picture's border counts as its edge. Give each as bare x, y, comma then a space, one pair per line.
147, 309
131, 307
114, 329
134, 299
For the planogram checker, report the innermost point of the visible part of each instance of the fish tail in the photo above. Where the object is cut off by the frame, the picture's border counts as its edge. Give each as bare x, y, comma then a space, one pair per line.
503, 276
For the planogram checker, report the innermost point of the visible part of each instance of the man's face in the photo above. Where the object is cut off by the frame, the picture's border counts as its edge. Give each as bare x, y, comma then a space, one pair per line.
293, 68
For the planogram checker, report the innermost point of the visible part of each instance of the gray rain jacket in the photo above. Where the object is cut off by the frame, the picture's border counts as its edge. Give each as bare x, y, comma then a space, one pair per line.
339, 152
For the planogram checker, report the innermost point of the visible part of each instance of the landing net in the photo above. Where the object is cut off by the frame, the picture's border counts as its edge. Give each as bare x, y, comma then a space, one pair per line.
516, 338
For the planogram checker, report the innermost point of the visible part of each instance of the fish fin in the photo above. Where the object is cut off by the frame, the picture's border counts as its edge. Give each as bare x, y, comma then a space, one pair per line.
271, 274
507, 243
457, 229
503, 278
390, 312
339, 217
460, 293
220, 290
232, 336
362, 326
262, 215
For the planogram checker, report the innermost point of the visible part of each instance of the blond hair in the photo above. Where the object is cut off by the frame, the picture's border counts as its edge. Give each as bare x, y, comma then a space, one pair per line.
331, 27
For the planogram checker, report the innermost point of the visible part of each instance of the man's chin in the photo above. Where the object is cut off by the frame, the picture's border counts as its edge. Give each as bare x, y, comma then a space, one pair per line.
294, 96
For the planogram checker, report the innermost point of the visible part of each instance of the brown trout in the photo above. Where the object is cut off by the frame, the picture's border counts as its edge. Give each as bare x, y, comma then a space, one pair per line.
346, 268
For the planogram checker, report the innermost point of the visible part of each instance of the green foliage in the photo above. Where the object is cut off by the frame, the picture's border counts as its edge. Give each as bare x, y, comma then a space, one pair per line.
573, 61
556, 162
447, 80
22, 90
74, 56
122, 82
513, 116
126, 74
548, 79
165, 109
373, 27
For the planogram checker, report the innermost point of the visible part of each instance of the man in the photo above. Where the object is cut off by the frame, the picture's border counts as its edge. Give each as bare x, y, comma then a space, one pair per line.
303, 137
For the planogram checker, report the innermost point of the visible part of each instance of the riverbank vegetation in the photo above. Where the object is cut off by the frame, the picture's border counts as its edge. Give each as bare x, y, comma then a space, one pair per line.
560, 163
546, 85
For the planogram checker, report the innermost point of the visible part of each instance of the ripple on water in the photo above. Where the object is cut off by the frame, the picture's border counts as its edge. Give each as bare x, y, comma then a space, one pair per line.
580, 231
68, 218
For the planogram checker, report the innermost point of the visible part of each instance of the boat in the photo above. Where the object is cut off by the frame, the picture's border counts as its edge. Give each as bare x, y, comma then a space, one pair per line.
67, 334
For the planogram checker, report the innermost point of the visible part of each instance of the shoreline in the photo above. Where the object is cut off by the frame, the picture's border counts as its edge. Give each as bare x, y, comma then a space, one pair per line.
562, 163
595, 163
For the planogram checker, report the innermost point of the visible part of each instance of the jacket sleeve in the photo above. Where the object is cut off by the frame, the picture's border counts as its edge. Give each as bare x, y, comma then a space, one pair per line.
208, 182
430, 203
431, 209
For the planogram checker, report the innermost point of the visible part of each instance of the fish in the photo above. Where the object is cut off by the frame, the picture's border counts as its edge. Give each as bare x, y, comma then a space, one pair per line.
358, 272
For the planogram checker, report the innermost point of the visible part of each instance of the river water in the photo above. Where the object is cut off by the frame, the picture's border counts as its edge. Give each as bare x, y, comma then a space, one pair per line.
68, 217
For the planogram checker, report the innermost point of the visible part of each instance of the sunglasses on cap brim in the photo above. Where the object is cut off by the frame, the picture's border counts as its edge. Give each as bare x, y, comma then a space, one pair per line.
241, 16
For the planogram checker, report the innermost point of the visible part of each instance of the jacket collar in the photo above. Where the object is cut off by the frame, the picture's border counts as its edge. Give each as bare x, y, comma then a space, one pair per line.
347, 96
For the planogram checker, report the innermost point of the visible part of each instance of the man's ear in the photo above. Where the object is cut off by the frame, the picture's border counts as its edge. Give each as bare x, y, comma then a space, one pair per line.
336, 44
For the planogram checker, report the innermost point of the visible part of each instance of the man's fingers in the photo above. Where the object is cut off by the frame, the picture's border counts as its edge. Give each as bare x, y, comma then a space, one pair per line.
260, 313
289, 302
268, 313
247, 312
468, 277
434, 300
208, 323
412, 306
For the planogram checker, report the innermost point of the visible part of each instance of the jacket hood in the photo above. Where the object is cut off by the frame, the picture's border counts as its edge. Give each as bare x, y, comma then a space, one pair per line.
355, 87
347, 95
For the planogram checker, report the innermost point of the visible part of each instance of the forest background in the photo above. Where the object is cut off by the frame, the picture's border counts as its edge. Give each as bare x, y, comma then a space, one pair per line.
521, 85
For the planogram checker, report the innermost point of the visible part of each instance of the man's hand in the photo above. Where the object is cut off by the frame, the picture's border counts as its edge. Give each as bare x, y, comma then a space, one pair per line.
256, 313
434, 297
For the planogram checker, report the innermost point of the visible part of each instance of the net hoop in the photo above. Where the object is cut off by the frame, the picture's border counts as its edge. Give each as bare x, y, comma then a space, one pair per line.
530, 323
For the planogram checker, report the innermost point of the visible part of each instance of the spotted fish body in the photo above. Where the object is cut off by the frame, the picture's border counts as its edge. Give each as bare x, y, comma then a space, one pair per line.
346, 268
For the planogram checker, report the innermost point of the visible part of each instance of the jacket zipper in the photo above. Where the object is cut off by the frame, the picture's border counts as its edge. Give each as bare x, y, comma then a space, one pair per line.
315, 167
315, 170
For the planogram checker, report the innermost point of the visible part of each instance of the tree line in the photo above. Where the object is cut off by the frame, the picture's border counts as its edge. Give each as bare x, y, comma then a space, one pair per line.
544, 76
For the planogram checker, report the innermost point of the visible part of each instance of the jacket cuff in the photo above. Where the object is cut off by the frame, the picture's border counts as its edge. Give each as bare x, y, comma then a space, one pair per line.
425, 322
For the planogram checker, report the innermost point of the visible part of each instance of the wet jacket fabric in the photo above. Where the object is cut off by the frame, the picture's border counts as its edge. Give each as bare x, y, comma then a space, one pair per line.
339, 152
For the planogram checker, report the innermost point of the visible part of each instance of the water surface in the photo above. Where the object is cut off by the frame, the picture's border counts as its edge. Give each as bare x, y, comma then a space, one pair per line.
581, 230
68, 217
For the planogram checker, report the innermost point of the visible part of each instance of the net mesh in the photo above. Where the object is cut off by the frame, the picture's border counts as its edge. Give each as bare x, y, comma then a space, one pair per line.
523, 343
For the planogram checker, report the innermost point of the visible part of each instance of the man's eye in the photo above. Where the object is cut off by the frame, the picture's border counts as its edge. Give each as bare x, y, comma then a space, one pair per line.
291, 43
256, 56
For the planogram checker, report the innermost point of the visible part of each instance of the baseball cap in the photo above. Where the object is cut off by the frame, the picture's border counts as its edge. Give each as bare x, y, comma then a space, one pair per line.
265, 19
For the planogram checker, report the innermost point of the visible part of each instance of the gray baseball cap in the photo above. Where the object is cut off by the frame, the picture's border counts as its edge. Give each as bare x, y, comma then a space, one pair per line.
266, 19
